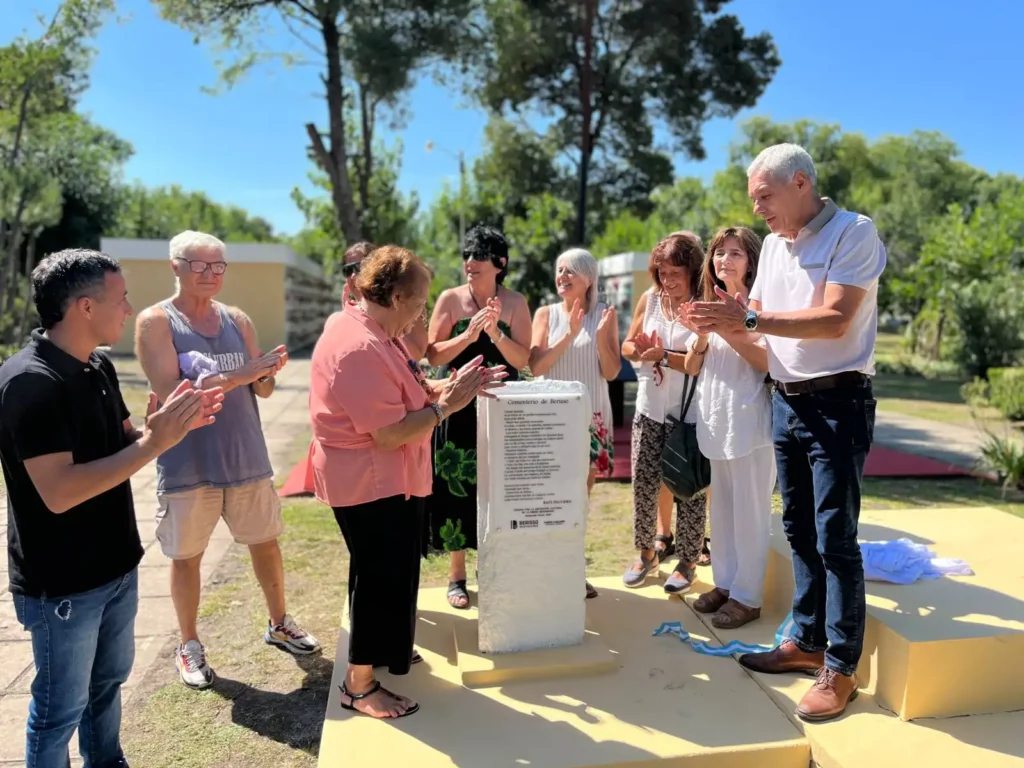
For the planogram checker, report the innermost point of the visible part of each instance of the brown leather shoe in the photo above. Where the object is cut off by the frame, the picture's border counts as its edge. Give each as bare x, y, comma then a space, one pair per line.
788, 657
828, 697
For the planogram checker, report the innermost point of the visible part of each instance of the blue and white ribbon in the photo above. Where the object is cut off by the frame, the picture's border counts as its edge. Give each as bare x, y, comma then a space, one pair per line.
784, 631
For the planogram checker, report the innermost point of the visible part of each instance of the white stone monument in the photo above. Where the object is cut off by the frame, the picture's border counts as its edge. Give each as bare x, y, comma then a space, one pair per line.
533, 450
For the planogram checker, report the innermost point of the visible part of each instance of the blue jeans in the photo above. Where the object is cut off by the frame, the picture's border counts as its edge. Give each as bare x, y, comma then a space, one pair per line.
821, 443
83, 646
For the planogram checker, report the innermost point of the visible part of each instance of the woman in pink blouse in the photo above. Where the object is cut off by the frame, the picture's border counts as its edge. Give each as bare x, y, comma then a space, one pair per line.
373, 414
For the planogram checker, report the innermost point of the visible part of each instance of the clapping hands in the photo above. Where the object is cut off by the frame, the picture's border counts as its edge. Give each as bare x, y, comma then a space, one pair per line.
649, 347
470, 381
722, 317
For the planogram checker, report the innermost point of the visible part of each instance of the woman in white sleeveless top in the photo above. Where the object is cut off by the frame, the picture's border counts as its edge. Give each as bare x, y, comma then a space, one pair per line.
578, 340
734, 432
658, 340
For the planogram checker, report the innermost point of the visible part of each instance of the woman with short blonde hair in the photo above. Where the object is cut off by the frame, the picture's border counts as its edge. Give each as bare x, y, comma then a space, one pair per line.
577, 339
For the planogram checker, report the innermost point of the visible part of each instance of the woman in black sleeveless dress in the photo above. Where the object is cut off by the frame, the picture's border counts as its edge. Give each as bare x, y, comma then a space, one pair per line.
481, 317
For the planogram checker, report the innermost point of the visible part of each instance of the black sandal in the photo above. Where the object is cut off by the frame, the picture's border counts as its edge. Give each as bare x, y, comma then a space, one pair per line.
376, 687
458, 589
670, 546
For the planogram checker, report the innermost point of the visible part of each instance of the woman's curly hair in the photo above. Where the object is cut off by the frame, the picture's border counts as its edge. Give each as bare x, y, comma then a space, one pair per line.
389, 269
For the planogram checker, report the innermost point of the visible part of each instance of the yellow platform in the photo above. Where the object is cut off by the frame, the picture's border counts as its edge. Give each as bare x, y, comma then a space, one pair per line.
663, 705
943, 647
479, 670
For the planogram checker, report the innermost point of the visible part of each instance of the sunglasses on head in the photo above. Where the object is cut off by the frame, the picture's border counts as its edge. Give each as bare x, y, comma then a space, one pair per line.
350, 269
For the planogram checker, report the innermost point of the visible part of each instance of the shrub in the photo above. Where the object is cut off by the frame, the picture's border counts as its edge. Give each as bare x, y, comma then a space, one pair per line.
1006, 391
1005, 457
988, 317
975, 393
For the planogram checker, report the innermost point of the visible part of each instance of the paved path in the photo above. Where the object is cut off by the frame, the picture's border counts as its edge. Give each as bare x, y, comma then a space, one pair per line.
285, 417
949, 443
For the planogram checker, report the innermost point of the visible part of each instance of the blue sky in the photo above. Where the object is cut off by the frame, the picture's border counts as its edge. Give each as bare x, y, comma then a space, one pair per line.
873, 66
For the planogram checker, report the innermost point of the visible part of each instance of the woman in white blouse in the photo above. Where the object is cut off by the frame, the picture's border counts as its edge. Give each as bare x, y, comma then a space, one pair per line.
734, 433
577, 339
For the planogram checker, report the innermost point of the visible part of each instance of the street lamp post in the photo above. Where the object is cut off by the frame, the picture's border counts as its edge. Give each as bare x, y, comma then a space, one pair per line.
431, 146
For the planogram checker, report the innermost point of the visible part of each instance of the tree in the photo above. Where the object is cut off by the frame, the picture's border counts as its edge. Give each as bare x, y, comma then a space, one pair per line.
46, 149
606, 71
367, 52
389, 216
536, 239
163, 212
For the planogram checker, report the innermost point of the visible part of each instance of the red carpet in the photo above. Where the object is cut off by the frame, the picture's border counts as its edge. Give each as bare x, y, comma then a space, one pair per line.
882, 462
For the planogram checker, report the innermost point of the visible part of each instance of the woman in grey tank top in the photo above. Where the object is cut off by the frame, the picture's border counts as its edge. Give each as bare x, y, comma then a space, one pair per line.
578, 340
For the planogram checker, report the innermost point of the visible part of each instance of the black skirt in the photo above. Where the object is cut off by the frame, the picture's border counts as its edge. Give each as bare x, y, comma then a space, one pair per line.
383, 539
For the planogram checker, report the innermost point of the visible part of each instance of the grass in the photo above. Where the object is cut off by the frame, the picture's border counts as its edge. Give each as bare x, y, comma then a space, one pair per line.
937, 399
267, 707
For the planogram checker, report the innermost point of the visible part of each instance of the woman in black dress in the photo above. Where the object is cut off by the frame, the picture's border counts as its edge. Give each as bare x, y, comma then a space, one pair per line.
481, 317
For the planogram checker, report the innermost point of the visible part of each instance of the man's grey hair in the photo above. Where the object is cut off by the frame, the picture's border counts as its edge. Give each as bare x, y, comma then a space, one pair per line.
184, 243
580, 261
782, 162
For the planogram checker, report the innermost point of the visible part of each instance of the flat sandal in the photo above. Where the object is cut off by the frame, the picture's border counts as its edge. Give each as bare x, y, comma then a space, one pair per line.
373, 689
712, 601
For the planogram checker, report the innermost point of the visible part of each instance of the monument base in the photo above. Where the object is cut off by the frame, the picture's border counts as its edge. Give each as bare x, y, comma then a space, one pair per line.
479, 670
664, 704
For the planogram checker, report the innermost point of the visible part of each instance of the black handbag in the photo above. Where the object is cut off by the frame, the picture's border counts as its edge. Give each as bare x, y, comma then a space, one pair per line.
684, 469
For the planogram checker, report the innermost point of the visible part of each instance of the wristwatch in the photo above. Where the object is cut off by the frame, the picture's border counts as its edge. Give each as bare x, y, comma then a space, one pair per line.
664, 359
750, 321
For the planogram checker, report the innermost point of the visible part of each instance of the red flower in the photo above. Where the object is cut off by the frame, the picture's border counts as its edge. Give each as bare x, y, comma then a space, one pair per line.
602, 461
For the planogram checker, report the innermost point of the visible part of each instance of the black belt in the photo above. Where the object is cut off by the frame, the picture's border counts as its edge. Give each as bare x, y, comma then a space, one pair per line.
823, 383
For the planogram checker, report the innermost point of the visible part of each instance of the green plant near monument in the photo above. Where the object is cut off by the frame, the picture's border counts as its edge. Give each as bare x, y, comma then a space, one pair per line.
455, 466
452, 537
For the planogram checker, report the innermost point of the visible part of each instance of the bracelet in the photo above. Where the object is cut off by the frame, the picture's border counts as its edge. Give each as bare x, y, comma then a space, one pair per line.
437, 412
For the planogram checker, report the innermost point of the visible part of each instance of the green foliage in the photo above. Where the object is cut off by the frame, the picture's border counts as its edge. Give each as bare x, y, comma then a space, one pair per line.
367, 53
452, 537
1006, 391
1004, 455
388, 218
975, 392
162, 212
677, 62
536, 240
988, 317
58, 171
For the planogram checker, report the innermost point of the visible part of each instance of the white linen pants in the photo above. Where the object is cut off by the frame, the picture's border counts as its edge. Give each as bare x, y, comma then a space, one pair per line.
741, 522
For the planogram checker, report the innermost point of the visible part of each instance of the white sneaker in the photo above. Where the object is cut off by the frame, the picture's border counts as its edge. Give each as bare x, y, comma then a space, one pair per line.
192, 667
290, 636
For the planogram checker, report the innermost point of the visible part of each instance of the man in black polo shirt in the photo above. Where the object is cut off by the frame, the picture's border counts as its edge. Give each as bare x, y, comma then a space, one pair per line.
68, 450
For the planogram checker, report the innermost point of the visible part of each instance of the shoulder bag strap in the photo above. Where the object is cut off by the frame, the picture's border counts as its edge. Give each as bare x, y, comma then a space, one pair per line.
688, 397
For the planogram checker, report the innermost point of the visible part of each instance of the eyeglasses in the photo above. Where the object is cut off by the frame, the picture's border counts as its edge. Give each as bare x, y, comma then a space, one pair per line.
350, 269
199, 267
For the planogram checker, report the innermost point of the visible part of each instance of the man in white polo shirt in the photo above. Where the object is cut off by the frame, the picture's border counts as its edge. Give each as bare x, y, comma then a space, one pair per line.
815, 300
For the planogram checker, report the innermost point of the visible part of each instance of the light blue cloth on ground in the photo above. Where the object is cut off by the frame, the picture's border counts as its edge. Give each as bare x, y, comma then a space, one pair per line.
903, 562
733, 646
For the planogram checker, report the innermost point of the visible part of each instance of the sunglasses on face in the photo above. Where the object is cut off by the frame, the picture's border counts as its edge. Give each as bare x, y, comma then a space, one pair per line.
199, 267
479, 257
350, 269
